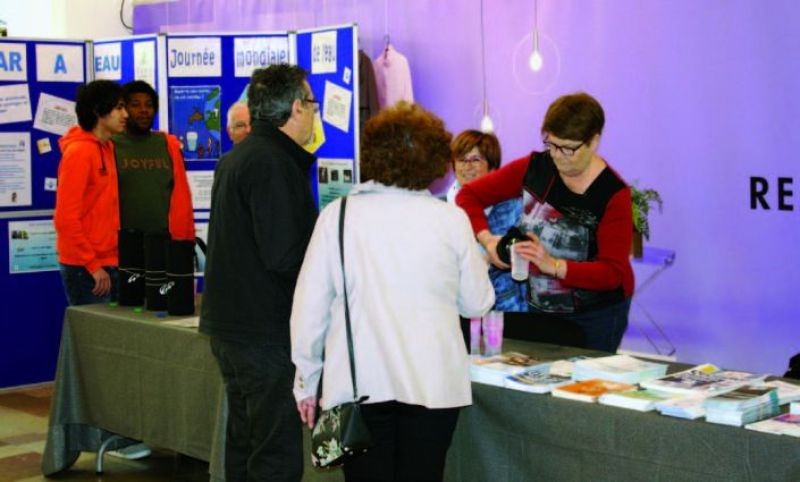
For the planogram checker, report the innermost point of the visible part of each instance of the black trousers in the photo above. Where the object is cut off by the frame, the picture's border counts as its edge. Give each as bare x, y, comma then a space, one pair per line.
411, 443
264, 440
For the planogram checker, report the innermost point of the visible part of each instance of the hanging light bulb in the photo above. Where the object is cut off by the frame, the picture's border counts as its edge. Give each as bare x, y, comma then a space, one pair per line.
535, 60
487, 126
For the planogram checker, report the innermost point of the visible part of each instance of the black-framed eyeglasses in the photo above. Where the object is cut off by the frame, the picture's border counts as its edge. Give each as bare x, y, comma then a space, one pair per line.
315, 102
567, 151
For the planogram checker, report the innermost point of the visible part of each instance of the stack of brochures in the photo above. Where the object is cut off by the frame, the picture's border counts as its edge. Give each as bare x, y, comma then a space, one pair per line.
785, 424
641, 400
590, 390
787, 392
493, 370
618, 368
535, 380
703, 380
742, 406
689, 407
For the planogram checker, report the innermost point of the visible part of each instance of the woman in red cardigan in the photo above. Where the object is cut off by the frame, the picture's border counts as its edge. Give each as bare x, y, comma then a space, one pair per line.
576, 226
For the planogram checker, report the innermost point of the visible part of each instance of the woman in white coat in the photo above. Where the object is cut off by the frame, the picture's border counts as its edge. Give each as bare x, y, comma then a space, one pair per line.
411, 267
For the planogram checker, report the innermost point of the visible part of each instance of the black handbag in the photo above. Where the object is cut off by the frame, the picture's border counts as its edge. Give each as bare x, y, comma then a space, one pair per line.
340, 432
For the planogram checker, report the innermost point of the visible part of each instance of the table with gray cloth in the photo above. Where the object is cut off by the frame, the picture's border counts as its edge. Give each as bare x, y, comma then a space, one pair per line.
515, 436
128, 373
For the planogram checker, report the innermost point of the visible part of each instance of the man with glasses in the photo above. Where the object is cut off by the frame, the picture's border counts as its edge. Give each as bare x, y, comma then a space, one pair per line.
262, 216
238, 122
577, 222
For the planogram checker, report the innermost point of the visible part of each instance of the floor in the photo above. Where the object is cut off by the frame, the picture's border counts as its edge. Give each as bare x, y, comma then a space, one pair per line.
23, 429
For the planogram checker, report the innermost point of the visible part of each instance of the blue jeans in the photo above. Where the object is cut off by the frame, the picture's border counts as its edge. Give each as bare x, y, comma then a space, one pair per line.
79, 283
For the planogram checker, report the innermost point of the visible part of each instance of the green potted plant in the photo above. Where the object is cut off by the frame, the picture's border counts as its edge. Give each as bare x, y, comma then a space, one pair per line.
642, 200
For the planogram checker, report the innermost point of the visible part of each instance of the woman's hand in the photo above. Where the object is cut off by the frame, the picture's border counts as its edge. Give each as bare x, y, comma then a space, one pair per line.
307, 408
536, 253
489, 242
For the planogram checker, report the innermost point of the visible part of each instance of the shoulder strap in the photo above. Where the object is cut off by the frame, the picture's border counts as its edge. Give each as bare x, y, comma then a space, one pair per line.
343, 206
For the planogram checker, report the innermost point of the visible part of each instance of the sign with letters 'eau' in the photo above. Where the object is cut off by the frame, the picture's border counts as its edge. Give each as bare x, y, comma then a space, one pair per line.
107, 61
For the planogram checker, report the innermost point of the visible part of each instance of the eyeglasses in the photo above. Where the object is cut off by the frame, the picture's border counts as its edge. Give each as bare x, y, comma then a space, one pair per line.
466, 161
315, 102
567, 151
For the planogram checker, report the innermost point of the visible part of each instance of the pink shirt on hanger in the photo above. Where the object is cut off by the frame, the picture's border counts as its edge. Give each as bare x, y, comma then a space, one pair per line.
393, 77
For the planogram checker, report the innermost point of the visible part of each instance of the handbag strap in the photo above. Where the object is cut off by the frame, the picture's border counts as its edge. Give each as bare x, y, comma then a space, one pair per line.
342, 208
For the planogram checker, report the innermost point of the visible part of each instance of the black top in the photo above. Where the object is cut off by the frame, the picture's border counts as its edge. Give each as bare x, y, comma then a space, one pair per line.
262, 216
567, 223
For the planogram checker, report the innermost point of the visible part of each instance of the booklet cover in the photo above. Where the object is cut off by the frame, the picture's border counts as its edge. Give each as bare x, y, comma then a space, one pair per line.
494, 369
703, 380
641, 400
535, 381
618, 368
590, 390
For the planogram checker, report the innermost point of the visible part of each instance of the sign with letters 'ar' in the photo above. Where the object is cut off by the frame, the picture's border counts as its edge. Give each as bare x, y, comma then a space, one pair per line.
59, 63
12, 62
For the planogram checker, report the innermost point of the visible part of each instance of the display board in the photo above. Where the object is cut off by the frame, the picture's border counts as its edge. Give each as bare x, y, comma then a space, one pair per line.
38, 82
141, 57
206, 74
330, 55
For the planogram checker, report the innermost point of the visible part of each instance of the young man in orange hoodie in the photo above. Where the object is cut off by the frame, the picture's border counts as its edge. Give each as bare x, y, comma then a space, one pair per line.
87, 207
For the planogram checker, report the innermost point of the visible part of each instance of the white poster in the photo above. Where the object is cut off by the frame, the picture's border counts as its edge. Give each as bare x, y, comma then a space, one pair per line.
59, 63
144, 61
323, 52
200, 183
15, 169
54, 114
194, 57
336, 108
108, 61
13, 63
32, 246
15, 103
250, 53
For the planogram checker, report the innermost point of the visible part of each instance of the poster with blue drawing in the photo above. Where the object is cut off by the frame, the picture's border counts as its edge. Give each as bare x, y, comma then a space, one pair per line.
195, 119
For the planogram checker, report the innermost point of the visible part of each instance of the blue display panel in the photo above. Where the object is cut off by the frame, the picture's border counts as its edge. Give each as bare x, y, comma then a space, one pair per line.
38, 82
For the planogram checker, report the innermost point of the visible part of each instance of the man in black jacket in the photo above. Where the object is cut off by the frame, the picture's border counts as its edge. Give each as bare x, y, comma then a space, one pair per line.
262, 216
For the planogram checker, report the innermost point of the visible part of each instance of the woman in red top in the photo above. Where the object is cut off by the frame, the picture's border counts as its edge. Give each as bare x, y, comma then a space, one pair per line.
576, 223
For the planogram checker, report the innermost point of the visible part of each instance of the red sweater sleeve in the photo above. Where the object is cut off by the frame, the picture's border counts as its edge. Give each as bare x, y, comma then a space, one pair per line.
612, 267
497, 186
181, 214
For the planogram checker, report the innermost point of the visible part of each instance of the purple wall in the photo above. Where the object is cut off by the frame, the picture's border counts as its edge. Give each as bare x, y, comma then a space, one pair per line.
699, 97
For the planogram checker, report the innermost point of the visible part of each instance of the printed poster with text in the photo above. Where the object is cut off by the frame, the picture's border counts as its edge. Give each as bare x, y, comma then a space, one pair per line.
32, 246
194, 111
334, 178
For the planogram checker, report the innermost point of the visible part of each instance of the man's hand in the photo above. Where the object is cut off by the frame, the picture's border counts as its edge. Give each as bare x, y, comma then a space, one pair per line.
308, 409
102, 282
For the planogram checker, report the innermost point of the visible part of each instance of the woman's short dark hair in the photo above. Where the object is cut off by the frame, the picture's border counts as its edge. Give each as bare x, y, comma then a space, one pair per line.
139, 87
272, 92
405, 146
578, 117
487, 144
95, 100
